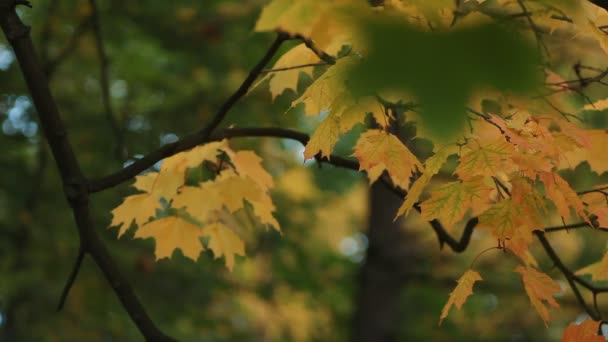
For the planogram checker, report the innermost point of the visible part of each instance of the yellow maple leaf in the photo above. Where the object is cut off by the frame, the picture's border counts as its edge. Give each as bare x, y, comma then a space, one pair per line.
194, 157
291, 16
449, 202
136, 207
247, 163
540, 289
357, 112
224, 242
585, 331
141, 207
324, 137
328, 92
594, 154
597, 270
201, 202
431, 166
601, 104
288, 79
378, 150
171, 233
460, 294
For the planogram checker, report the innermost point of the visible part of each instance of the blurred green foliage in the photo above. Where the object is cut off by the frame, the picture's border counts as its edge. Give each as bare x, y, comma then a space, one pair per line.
441, 69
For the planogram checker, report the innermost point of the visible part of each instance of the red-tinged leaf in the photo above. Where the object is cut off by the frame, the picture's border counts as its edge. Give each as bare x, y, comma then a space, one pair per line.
460, 294
378, 150
602, 216
583, 332
540, 289
563, 196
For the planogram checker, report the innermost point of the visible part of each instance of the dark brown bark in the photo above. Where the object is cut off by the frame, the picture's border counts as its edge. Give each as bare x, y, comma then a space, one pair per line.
390, 260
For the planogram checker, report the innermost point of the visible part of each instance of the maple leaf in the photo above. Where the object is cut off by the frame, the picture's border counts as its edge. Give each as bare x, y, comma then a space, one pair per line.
540, 289
519, 245
141, 207
562, 195
502, 219
288, 79
602, 216
449, 202
431, 166
460, 294
378, 150
530, 200
585, 331
597, 105
357, 112
597, 270
224, 242
193, 157
201, 202
483, 159
247, 163
594, 154
324, 138
328, 92
171, 233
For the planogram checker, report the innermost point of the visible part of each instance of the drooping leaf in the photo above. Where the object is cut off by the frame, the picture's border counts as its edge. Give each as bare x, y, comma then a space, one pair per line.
324, 138
431, 166
540, 289
224, 242
460, 294
563, 196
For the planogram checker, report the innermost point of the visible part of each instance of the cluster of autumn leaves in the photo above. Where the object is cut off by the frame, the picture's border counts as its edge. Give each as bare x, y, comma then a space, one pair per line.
506, 173
202, 209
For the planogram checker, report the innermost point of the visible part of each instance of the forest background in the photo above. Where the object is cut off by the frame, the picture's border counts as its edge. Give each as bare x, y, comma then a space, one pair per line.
129, 77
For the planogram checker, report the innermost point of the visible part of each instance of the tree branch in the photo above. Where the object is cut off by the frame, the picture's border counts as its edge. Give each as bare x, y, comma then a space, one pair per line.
244, 88
72, 177
104, 81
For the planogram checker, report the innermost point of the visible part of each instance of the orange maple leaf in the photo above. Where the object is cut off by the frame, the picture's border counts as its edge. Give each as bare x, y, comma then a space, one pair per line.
463, 290
563, 196
583, 332
540, 289
378, 150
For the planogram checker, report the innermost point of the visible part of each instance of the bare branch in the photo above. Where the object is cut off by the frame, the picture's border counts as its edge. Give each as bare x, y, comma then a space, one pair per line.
104, 81
74, 182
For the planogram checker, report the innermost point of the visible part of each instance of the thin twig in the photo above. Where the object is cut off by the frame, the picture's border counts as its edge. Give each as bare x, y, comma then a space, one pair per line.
104, 82
294, 67
71, 279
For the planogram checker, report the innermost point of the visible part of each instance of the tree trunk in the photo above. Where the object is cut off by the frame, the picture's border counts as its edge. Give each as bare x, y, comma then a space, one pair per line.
390, 260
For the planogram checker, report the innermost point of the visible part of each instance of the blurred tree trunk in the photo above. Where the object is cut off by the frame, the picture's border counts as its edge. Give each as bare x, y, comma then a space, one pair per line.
379, 284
